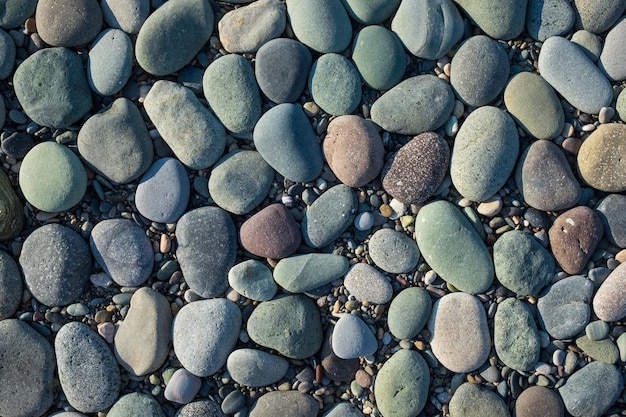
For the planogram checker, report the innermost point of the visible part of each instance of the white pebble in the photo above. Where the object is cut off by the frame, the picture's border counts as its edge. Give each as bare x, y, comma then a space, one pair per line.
364, 221
100, 280
398, 207
430, 277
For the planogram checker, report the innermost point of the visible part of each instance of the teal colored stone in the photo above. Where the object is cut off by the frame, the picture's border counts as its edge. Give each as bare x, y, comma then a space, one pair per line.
52, 178
379, 57
453, 248
7, 52
14, 12
370, 12
409, 312
597, 330
335, 84
136, 405
603, 350
329, 216
232, 92
322, 25
51, 85
516, 338
253, 280
499, 19
110, 62
472, 400
302, 273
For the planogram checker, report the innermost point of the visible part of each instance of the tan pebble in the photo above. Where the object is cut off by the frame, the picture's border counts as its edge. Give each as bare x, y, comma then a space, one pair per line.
386, 210
621, 256
490, 207
568, 130
419, 345
311, 109
165, 244
362, 378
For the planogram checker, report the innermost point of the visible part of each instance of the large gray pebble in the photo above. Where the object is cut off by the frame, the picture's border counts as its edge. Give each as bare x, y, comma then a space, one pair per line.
545, 18
472, 400
611, 210
7, 52
10, 285
592, 390
614, 52
27, 377
484, 154
322, 25
329, 216
110, 62
393, 251
498, 19
246, 29
302, 273
253, 280
56, 263
175, 109
207, 249
365, 283
137, 405
255, 368
88, 372
15, 12
68, 23
516, 338
590, 43
127, 15
352, 338
204, 333
409, 312
335, 84
597, 16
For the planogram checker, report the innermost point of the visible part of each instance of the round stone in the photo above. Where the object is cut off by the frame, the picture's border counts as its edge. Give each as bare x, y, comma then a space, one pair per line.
516, 338
535, 401
200, 408
472, 400
352, 338
409, 312
590, 43
379, 57
246, 29
545, 18
302, 273
253, 280
69, 23
597, 16
592, 390
127, 15
393, 251
602, 158
322, 25
343, 409
365, 283
329, 216
335, 84
271, 233
255, 368
110, 62
137, 405
182, 387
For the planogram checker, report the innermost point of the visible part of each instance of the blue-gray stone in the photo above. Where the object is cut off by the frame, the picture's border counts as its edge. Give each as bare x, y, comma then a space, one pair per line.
68, 23
302, 273
592, 390
7, 52
614, 52
329, 216
285, 139
127, 15
370, 12
590, 43
253, 280
15, 12
472, 400
597, 330
597, 16
516, 338
137, 405
498, 19
322, 25
343, 409
611, 210
393, 251
255, 368
409, 312
10, 285
545, 18
110, 62
365, 283
379, 57
352, 338
335, 84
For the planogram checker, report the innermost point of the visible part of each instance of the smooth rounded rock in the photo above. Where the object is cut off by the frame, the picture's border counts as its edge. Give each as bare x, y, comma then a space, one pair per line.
352, 338
69, 23
110, 62
516, 338
590, 43
335, 84
7, 51
10, 285
136, 405
602, 158
498, 19
472, 400
335, 368
11, 210
271, 233
200, 408
393, 251
379, 57
418, 104
597, 16
284, 403
246, 29
127, 15
182, 387
329, 216
592, 390
545, 18
253, 280
611, 211
15, 12
365, 283
322, 25
409, 312
204, 333
539, 401
369, 12
609, 303
343, 409
603, 350
302, 273
255, 368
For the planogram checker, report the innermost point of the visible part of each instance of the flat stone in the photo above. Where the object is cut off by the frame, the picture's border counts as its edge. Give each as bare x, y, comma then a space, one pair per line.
343, 409
611, 209
110, 62
56, 263
329, 216
413, 174
601, 350
240, 181
564, 307
459, 317
115, 143
418, 104
590, 43
335, 368
137, 405
354, 150
27, 362
544, 118
172, 35
609, 303
545, 178
253, 280
207, 249
352, 338
143, 338
365, 283
182, 387
409, 312
401, 386
51, 85
127, 15
602, 158
472, 400
574, 236
200, 408
271, 233
7, 51
88, 372
69, 23
369, 12
246, 29
174, 109
545, 18
453, 248
302, 273
597, 16
290, 325
335, 84
10, 285
285, 139
255, 368
591, 390
522, 264
379, 57
440, 27
204, 333
539, 401
15, 12
284, 403
516, 338
322, 25
573, 75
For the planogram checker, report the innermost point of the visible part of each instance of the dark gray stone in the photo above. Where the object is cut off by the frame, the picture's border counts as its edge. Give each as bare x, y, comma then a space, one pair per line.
201, 408
18, 144
597, 16
393, 251
7, 52
15, 12
516, 338
10, 285
285, 403
255, 368
335, 84
545, 18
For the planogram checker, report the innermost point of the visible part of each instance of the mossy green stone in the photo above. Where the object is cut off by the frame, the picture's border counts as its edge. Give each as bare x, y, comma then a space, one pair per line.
322, 25
136, 405
604, 350
472, 400
302, 273
516, 338
11, 210
409, 312
379, 57
52, 178
335, 84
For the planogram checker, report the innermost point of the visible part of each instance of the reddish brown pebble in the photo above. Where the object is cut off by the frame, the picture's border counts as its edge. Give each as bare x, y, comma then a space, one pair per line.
271, 233
30, 25
539, 402
572, 145
363, 379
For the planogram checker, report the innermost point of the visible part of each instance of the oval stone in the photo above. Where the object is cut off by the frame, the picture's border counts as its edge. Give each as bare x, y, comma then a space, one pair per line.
329, 216
322, 25
536, 400
516, 338
393, 251
365, 283
609, 304
285, 403
611, 211
592, 390
453, 248
418, 104
409, 312
271, 233
335, 85
69, 23
590, 43
8, 51
173, 34
498, 19
255, 368
343, 409
245, 29
545, 18
302, 273
379, 57
110, 62
369, 12
136, 405
10, 286
472, 400
200, 408
352, 338
253, 280
602, 158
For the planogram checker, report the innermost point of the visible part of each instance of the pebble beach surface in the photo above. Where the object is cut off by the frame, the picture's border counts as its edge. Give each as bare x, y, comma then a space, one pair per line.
301, 208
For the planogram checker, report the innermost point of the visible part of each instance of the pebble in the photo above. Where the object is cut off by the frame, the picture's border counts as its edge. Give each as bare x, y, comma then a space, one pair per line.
352, 338
240, 181
480, 69
232, 92
10, 286
56, 263
614, 52
271, 233
620, 105
246, 29
303, 273
143, 338
409, 312
343, 409
401, 387
393, 251
17, 144
364, 221
204, 333
484, 153
573, 75
255, 368
88, 372
285, 139
335, 368
409, 107
453, 248
69, 23
354, 150
322, 25
597, 16
473, 400
284, 403
290, 325
522, 264
7, 51
564, 307
15, 13
172, 36
544, 118
127, 15
163, 191
498, 19
601, 350
335, 84
589, 43
417, 170
281, 68
110, 62
370, 12
379, 57
365, 283
136, 405
12, 214
574, 236
329, 216
51, 85
546, 18
253, 280
539, 401
27, 370
440, 23
591, 390
182, 387
604, 148
115, 143
515, 335
609, 303
621, 345
459, 317
233, 402
545, 178
200, 408
204, 139
207, 249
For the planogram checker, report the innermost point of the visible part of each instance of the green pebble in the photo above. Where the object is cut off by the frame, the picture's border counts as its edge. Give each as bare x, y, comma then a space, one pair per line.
335, 84
379, 57
601, 350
